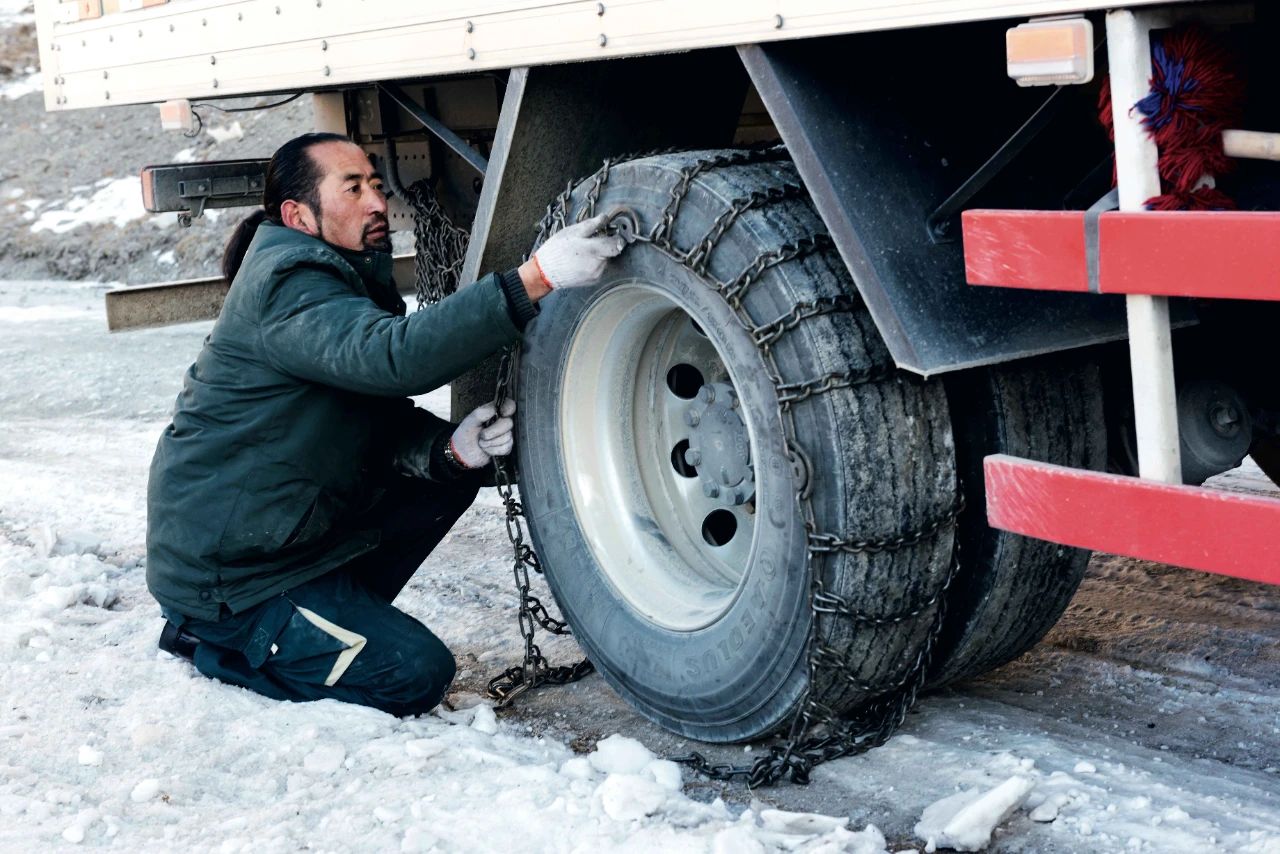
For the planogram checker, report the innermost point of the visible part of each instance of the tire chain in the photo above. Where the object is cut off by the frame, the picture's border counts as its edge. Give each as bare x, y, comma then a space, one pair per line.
440, 249
817, 733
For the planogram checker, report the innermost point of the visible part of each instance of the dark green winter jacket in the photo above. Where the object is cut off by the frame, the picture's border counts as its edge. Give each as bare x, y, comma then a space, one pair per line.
298, 397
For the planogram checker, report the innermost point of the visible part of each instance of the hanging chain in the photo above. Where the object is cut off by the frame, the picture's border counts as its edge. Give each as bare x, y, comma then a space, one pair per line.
818, 732
535, 670
440, 246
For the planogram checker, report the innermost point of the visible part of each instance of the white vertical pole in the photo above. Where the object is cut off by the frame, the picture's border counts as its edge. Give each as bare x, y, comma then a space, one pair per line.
1155, 404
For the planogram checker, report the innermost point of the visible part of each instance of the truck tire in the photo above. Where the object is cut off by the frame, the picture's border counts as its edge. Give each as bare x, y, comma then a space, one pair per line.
684, 575
1009, 589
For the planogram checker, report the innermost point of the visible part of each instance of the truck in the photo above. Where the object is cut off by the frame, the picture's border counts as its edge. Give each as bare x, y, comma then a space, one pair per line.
891, 348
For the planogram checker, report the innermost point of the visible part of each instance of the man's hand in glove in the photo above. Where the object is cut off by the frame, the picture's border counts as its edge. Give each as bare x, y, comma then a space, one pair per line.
473, 444
572, 257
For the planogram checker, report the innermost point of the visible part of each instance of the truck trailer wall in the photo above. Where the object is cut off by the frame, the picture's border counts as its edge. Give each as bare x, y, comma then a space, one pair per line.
99, 52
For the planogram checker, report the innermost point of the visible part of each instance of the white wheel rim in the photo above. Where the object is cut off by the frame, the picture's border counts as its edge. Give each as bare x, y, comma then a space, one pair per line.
675, 554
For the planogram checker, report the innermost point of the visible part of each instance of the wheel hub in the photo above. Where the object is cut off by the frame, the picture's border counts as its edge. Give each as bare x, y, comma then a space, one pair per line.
719, 445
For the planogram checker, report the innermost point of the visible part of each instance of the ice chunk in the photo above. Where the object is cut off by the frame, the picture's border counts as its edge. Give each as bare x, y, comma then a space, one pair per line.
485, 720
666, 773
1083, 767
618, 754
90, 756
145, 791
577, 768
325, 759
782, 821
628, 797
964, 821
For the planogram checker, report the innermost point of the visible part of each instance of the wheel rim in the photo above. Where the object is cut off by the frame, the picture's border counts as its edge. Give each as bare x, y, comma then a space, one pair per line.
661, 457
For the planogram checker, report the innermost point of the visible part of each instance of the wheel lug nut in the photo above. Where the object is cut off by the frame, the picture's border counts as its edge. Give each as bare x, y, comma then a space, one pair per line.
691, 418
693, 457
710, 490
707, 394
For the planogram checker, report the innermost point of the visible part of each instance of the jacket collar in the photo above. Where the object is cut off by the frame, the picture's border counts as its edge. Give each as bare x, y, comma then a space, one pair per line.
373, 268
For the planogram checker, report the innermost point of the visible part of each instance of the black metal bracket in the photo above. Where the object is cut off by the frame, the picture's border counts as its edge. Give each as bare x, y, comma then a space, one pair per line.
191, 188
455, 143
942, 220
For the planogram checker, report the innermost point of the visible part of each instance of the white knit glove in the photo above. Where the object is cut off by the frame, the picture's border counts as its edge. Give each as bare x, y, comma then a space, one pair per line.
474, 445
576, 255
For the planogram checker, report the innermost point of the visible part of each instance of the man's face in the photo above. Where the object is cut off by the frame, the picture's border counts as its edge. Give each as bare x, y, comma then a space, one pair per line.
353, 208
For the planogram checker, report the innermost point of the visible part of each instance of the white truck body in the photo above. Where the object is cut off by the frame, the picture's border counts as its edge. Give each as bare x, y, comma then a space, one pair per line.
100, 52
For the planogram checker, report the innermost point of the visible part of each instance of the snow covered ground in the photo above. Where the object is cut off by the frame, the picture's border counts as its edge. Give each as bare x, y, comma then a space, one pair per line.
1149, 721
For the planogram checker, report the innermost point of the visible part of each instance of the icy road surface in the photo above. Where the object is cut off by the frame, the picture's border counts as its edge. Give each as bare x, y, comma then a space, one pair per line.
1149, 720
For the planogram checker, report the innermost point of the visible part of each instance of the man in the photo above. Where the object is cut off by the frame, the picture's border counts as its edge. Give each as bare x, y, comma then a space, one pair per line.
298, 489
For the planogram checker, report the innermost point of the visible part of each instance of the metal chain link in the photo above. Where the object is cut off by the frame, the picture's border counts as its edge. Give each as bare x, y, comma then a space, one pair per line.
440, 246
534, 670
818, 733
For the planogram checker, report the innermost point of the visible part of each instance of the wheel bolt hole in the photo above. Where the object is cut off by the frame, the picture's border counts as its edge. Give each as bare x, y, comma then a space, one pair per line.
719, 527
678, 461
684, 380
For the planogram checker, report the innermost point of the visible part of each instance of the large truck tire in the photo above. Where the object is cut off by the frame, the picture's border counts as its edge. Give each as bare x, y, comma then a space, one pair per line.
1009, 589
654, 474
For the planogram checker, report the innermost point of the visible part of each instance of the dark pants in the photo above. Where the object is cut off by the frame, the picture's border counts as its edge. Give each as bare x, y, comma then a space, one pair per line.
338, 635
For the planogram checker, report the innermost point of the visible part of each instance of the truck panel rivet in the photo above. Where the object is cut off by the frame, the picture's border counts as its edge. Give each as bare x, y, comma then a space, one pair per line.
277, 10
600, 9
604, 40
215, 83
111, 38
777, 22
106, 95
139, 33
471, 28
471, 53
204, 22
324, 45
326, 71
171, 28
213, 60
239, 16
105, 75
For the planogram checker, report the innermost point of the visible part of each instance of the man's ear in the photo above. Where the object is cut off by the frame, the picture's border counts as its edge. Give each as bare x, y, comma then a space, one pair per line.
299, 217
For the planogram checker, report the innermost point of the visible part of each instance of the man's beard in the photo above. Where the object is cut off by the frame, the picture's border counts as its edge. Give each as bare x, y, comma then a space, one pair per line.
378, 244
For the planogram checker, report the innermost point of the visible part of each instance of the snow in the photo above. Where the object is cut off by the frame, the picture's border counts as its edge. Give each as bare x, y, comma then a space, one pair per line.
14, 12
15, 89
107, 742
117, 201
965, 821
225, 133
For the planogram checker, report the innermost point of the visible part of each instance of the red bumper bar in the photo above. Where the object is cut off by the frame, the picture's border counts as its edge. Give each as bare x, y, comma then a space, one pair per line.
1218, 254
1198, 528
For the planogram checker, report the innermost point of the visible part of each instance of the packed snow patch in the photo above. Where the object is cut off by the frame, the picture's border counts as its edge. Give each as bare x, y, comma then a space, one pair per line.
117, 201
23, 86
965, 821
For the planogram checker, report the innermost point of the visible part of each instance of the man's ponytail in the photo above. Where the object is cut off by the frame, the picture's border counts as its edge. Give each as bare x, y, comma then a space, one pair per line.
238, 244
291, 174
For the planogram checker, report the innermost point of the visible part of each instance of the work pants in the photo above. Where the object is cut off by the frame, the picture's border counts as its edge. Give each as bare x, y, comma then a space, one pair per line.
338, 635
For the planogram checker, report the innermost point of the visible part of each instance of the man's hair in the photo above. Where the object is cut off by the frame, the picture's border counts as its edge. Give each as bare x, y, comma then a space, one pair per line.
292, 174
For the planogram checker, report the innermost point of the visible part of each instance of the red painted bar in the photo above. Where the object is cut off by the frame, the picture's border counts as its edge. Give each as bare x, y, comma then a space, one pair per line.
1039, 250
1216, 254
1206, 529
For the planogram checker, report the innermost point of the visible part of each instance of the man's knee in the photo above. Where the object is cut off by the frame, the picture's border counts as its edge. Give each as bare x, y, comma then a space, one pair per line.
421, 678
